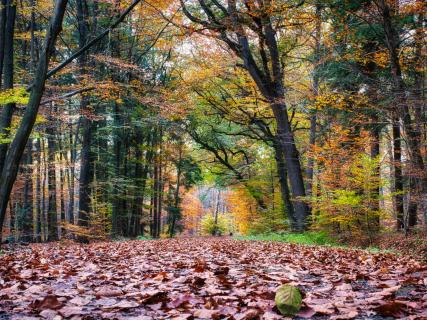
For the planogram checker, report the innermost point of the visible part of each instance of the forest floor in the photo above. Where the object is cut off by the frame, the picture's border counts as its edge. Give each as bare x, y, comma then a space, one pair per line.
206, 278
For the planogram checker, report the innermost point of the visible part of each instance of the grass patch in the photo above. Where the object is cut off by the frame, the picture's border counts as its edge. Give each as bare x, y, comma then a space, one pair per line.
307, 238
379, 250
310, 238
124, 239
144, 238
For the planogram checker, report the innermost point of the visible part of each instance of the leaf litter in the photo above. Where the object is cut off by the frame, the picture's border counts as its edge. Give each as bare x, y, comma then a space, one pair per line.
206, 278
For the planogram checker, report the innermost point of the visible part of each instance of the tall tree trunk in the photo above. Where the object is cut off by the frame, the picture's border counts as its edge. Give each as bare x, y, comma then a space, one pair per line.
44, 175
271, 86
61, 182
398, 178
124, 186
2, 36
216, 214
160, 185
420, 98
86, 157
27, 219
52, 214
116, 219
86, 174
71, 173
137, 208
33, 57
155, 196
38, 222
313, 117
148, 160
375, 152
175, 209
8, 69
16, 149
283, 180
286, 138
419, 186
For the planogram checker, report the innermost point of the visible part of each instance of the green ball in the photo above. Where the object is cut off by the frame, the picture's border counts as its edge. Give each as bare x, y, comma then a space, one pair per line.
288, 300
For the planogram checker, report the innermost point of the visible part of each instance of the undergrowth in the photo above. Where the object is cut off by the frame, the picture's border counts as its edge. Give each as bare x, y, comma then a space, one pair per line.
310, 238
144, 238
307, 238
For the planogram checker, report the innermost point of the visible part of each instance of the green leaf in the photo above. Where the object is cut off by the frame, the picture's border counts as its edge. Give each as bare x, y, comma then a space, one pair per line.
288, 300
16, 95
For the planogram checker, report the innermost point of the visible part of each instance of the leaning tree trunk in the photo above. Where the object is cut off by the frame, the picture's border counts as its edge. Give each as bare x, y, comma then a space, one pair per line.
271, 86
16, 149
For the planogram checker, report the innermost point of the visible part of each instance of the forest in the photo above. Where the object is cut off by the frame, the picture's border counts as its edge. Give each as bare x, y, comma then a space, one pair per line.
237, 159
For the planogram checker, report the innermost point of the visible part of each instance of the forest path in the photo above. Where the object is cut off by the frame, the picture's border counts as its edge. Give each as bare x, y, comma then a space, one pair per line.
205, 278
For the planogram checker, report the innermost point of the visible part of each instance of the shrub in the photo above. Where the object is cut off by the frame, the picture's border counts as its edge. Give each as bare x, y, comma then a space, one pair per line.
209, 227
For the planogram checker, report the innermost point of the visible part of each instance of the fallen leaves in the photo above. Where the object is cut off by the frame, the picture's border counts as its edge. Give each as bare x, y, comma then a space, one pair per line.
206, 278
108, 291
48, 302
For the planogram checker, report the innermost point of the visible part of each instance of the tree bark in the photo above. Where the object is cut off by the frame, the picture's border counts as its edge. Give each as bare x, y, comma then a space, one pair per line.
86, 157
117, 216
52, 215
175, 209
375, 152
282, 174
8, 69
2, 36
418, 174
313, 117
27, 206
398, 178
38, 222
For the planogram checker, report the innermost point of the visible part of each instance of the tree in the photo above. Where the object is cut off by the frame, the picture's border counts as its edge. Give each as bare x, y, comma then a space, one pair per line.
262, 60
